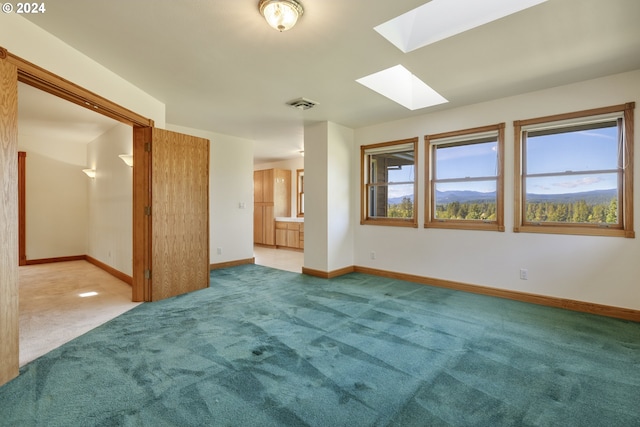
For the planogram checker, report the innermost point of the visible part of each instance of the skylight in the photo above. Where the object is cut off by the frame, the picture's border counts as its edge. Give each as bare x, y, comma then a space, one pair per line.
398, 84
439, 19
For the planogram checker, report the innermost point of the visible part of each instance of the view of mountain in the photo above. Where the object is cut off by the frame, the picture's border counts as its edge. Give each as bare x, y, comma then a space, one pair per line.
590, 197
595, 197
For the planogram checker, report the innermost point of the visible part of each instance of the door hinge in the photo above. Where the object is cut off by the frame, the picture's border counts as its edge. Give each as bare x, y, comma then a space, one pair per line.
147, 146
147, 210
147, 274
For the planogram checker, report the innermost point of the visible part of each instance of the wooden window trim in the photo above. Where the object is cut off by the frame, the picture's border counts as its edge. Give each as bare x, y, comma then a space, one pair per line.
299, 193
429, 220
626, 230
364, 198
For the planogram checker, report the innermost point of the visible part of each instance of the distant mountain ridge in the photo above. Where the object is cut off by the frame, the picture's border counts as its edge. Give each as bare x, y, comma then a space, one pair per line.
594, 197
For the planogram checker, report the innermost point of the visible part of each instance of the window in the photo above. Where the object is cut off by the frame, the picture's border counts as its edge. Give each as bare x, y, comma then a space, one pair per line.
465, 184
574, 173
300, 192
389, 183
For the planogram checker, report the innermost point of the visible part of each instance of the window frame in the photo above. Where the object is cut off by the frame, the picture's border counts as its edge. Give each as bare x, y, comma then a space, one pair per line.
365, 219
460, 137
625, 178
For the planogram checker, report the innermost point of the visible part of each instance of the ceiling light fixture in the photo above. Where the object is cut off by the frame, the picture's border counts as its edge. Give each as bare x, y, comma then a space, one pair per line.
281, 14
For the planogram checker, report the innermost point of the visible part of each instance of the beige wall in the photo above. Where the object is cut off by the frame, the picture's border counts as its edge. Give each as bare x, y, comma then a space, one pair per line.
55, 197
230, 187
110, 199
28, 41
601, 270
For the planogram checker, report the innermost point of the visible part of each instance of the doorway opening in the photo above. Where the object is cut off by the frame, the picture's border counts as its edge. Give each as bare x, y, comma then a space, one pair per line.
61, 294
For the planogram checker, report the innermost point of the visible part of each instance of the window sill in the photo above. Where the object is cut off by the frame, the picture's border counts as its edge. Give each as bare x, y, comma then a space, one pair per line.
465, 225
579, 231
391, 222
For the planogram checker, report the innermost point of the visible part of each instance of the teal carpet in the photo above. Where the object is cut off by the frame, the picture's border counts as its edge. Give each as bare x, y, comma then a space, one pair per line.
263, 347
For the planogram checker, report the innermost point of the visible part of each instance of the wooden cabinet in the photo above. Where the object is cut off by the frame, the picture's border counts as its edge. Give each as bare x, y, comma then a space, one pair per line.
271, 198
263, 225
290, 234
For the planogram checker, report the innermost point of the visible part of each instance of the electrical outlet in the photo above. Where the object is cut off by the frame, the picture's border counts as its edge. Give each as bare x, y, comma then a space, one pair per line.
524, 274
372, 255
219, 251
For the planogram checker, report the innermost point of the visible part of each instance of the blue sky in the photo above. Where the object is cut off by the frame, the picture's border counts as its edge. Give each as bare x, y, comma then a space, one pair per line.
577, 151
477, 160
405, 174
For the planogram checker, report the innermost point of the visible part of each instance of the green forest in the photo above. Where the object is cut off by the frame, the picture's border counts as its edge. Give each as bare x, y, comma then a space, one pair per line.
543, 211
404, 209
576, 212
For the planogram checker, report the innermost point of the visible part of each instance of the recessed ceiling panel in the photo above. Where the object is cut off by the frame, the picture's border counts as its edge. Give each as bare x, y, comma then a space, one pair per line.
400, 85
440, 19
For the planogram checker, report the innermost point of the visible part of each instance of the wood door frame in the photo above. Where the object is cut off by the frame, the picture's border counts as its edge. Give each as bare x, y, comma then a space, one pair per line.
141, 223
9, 307
49, 82
22, 234
42, 79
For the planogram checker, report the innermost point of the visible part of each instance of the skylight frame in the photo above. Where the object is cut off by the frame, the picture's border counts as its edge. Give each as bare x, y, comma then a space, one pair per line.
403, 87
441, 19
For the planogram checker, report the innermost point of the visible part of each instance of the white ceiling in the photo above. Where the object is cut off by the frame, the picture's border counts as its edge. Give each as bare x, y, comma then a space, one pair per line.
219, 67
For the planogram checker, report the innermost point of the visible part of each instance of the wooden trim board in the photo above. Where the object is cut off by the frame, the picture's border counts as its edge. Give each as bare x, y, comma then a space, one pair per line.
47, 81
549, 301
236, 263
112, 271
327, 274
55, 259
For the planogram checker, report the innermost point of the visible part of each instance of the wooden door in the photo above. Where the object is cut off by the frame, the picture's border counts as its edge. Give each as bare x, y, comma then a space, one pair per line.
171, 213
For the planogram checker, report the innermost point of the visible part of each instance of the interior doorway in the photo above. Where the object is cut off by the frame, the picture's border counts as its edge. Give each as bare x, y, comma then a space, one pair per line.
54, 140
13, 70
61, 296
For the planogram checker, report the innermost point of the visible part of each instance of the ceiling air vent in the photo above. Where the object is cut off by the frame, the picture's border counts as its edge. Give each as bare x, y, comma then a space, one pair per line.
302, 103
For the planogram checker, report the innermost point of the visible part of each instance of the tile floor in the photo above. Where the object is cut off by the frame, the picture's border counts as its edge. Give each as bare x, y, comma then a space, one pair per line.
282, 259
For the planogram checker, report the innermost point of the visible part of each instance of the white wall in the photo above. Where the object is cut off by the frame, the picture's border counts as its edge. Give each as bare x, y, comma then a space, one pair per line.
339, 210
55, 197
602, 270
111, 199
315, 197
22, 38
230, 184
289, 164
26, 40
328, 231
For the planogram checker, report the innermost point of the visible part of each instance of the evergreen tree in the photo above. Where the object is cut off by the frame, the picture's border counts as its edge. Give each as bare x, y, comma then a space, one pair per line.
580, 212
612, 211
404, 209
